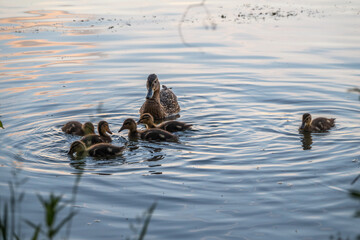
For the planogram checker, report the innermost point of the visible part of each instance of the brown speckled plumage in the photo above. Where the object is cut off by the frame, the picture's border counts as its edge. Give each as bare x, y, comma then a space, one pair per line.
76, 128
319, 124
92, 139
170, 126
148, 134
160, 104
101, 150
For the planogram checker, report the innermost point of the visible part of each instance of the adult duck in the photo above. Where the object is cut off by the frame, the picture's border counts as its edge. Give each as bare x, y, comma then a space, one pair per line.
76, 128
91, 139
160, 104
170, 126
319, 124
148, 134
100, 150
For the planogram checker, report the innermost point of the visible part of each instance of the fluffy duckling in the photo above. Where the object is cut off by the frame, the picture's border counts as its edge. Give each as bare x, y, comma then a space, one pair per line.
103, 150
159, 104
320, 124
92, 139
170, 126
76, 128
149, 134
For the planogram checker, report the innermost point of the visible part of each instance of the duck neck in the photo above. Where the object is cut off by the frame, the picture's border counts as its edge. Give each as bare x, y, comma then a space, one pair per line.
150, 125
102, 133
133, 132
156, 95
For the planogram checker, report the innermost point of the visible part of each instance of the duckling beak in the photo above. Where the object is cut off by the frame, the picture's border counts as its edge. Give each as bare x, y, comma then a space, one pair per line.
140, 121
108, 130
302, 126
71, 151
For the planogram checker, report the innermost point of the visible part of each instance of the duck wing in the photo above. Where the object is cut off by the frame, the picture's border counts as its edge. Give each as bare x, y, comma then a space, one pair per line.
169, 100
72, 127
91, 139
322, 124
174, 126
105, 150
158, 135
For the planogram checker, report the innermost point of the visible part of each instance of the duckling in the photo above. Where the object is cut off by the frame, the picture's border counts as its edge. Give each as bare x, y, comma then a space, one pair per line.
148, 134
160, 104
320, 124
98, 150
92, 139
170, 126
76, 128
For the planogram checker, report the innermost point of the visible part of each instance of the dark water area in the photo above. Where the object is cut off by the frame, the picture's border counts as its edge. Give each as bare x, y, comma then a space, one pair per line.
244, 74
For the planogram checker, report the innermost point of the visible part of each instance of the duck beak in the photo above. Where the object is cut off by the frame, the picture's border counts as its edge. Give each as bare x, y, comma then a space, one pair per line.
140, 121
71, 151
122, 128
108, 130
150, 93
302, 126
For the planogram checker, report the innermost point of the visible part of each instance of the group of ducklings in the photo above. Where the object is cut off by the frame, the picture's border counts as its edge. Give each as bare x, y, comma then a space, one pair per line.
158, 106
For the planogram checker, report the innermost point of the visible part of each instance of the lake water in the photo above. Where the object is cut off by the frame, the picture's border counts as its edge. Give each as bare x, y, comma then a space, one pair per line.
244, 73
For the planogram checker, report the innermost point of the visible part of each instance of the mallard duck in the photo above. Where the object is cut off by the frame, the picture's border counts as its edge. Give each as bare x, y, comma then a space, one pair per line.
98, 150
148, 134
320, 124
92, 139
170, 126
76, 128
160, 104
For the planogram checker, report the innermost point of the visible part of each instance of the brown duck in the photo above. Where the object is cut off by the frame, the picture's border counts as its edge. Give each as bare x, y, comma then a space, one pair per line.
319, 124
170, 126
148, 134
101, 150
92, 139
76, 128
160, 104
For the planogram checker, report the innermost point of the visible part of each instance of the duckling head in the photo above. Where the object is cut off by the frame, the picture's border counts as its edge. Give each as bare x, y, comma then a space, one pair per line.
88, 128
152, 85
103, 127
77, 147
306, 121
146, 118
129, 124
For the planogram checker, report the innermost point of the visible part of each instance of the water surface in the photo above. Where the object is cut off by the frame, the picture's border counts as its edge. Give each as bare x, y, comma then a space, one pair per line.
244, 74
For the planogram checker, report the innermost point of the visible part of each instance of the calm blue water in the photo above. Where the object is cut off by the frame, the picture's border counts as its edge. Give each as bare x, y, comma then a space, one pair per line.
244, 75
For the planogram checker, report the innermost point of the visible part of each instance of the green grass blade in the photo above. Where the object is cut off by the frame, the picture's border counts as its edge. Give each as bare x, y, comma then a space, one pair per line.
63, 222
36, 233
147, 221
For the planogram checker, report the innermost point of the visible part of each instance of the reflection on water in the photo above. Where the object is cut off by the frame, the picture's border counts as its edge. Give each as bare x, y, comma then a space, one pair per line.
306, 141
242, 173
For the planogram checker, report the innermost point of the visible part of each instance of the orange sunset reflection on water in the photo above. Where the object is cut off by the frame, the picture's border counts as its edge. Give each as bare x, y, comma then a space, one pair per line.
29, 49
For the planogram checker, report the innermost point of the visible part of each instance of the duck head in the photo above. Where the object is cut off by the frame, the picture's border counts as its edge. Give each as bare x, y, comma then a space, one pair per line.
103, 127
146, 118
88, 128
152, 85
129, 124
306, 122
77, 147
